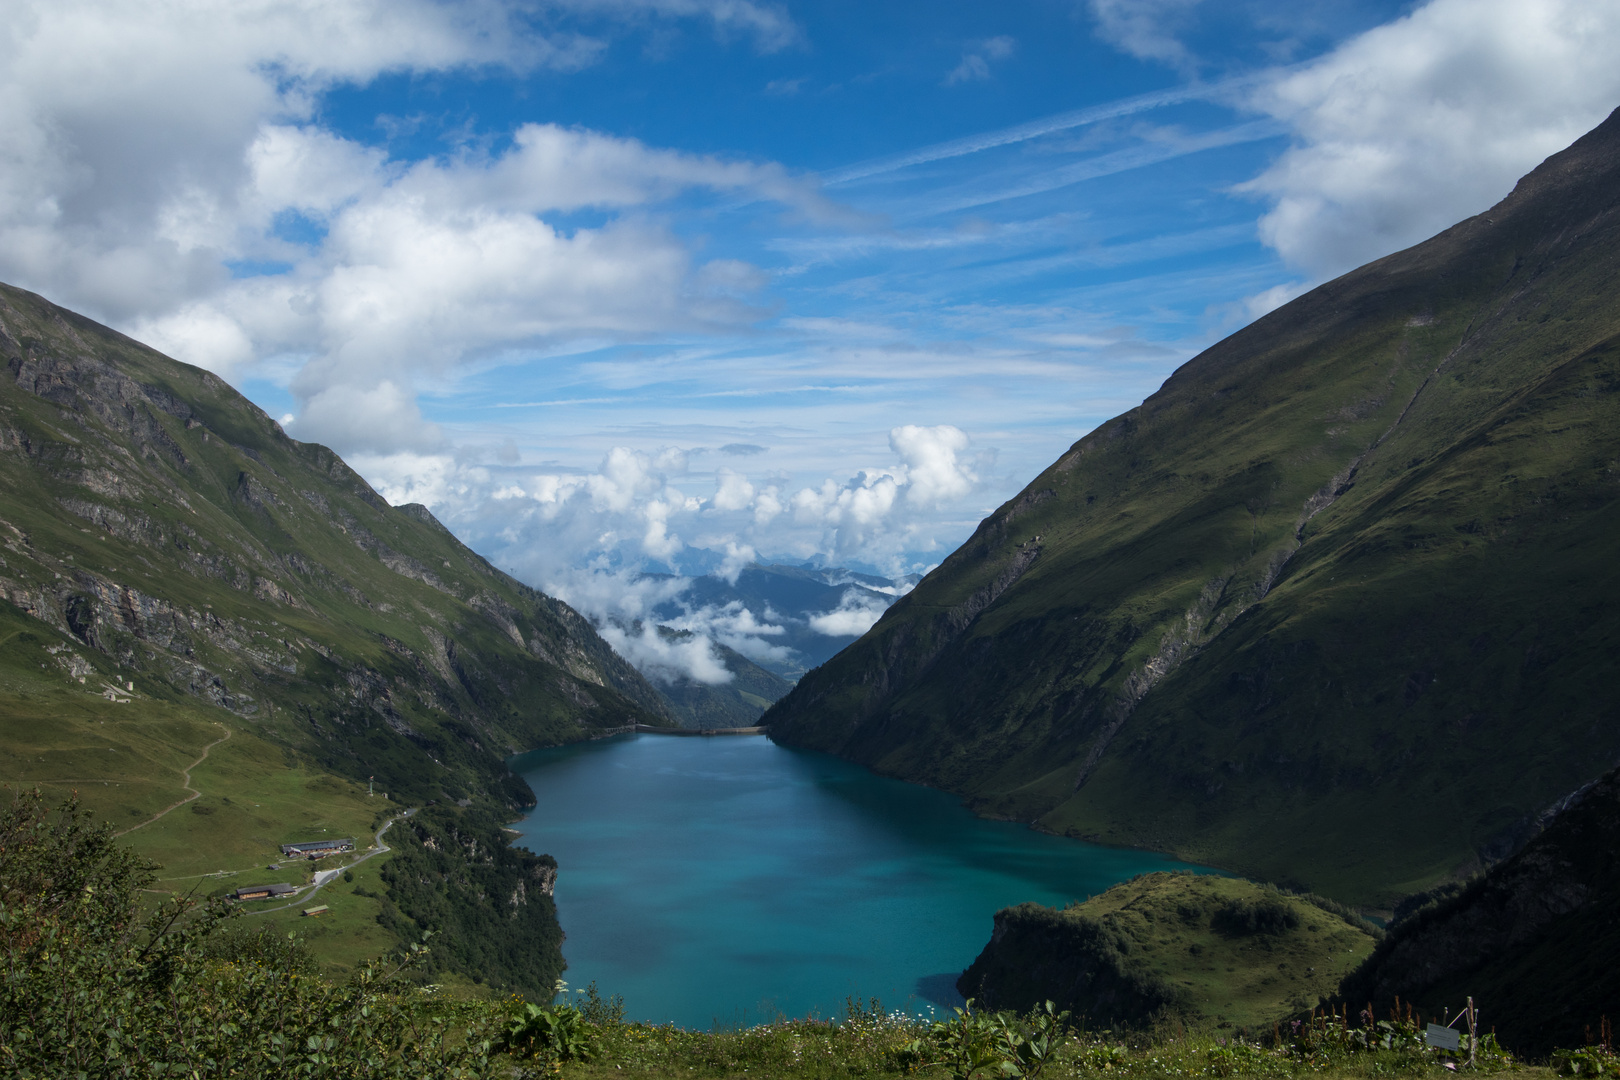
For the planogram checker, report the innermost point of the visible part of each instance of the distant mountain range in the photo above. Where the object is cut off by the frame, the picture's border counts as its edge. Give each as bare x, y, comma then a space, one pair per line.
1337, 607
815, 610
766, 626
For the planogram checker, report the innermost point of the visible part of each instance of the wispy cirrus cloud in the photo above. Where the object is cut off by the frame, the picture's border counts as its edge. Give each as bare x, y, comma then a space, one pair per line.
1046, 126
976, 60
584, 347
1151, 147
770, 27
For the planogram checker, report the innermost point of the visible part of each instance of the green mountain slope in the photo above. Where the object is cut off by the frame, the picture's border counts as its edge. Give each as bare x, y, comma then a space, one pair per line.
174, 567
1335, 607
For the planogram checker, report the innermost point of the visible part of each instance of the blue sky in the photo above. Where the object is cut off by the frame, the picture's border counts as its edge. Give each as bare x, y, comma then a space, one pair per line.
683, 283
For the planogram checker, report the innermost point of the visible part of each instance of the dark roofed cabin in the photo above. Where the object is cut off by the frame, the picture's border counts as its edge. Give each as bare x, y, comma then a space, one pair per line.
263, 892
318, 847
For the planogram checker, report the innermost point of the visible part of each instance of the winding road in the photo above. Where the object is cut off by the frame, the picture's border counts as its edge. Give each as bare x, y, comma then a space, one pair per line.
185, 783
324, 876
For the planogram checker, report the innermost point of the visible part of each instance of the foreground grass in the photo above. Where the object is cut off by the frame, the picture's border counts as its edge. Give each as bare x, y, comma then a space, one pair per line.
867, 1043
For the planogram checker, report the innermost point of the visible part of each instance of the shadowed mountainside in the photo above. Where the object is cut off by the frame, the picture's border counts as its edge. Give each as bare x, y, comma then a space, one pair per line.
167, 549
1335, 607
161, 519
1535, 940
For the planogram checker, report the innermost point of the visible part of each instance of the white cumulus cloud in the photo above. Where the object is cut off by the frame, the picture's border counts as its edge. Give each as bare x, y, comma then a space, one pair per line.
975, 65
935, 472
164, 167
667, 658
1411, 126
855, 614
735, 492
1146, 29
852, 511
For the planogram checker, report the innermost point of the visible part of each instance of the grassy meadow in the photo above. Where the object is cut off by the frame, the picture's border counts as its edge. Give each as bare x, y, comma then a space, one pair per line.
128, 761
1227, 952
348, 934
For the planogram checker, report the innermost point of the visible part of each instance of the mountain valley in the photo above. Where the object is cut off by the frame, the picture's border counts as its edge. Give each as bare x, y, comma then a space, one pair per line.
1333, 609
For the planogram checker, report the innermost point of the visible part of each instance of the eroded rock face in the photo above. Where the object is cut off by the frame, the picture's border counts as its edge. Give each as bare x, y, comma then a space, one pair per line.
1535, 940
156, 517
1037, 954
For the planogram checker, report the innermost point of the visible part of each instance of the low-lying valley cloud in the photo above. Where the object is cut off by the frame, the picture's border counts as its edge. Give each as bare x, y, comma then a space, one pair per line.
623, 542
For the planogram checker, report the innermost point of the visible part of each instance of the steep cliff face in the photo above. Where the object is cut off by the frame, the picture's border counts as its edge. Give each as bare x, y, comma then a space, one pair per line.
175, 570
162, 520
1535, 940
1348, 570
1036, 954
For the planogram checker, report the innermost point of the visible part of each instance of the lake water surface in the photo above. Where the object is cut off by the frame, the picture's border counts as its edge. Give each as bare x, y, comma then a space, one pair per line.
721, 880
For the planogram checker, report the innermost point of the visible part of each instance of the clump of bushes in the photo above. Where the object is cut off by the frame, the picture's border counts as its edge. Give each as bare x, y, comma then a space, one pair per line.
996, 1043
1597, 1060
1266, 915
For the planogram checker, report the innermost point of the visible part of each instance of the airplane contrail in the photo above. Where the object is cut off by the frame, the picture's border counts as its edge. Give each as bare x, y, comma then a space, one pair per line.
1034, 129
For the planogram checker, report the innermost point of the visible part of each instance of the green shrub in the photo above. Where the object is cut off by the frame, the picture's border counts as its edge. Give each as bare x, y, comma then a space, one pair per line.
974, 1042
1267, 915
549, 1033
599, 1010
1587, 1061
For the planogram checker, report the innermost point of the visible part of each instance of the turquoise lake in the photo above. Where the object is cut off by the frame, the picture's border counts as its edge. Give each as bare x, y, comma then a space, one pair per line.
723, 880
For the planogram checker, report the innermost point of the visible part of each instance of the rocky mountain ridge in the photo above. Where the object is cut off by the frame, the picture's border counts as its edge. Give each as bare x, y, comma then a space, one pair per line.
160, 518
191, 573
